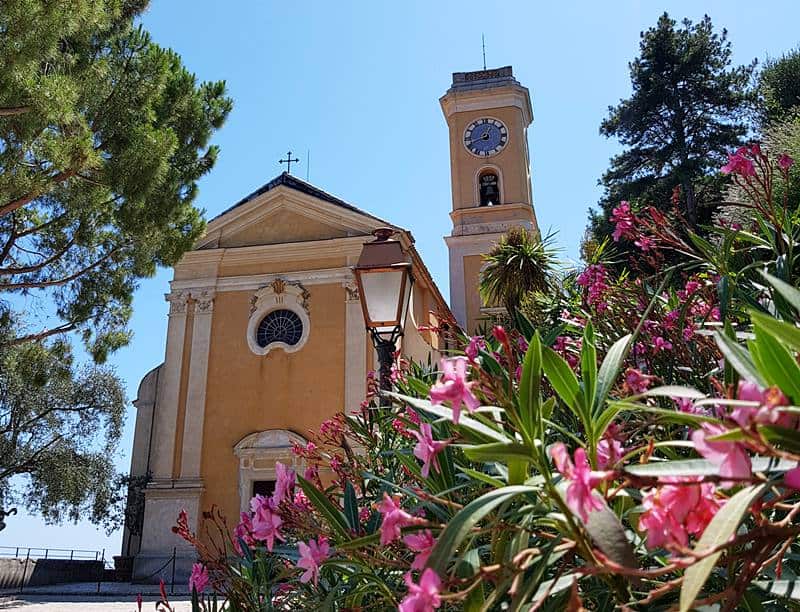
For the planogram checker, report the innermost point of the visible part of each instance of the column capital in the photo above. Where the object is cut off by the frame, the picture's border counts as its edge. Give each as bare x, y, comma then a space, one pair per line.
351, 291
177, 302
204, 301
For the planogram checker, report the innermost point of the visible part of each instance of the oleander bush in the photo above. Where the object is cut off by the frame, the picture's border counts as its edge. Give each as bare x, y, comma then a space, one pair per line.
636, 448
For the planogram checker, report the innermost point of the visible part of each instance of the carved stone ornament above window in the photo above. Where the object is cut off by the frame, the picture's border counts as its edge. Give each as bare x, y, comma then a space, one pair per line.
278, 296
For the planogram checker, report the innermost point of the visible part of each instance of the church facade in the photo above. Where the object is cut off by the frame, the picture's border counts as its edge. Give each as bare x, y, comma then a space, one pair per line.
266, 337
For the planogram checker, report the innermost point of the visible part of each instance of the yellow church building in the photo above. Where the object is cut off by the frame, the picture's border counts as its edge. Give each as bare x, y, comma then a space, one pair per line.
266, 336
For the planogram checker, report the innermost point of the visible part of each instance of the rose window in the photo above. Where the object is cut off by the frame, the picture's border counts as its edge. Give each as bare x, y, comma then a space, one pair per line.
279, 326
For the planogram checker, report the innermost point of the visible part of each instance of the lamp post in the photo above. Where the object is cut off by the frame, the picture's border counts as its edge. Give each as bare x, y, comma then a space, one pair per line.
384, 286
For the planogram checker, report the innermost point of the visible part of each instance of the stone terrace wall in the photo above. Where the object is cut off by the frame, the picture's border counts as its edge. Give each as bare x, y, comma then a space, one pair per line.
15, 572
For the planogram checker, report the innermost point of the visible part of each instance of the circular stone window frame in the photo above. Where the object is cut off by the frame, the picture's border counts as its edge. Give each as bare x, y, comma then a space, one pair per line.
278, 295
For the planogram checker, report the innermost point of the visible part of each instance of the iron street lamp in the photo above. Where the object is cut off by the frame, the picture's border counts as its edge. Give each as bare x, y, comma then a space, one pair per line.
384, 285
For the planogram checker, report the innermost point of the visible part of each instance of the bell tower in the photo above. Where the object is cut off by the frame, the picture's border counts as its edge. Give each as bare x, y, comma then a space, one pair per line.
488, 113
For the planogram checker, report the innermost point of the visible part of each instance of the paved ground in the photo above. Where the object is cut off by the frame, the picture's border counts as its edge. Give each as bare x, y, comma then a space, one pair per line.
114, 597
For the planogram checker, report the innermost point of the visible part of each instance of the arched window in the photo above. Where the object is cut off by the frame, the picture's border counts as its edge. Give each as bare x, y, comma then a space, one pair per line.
488, 188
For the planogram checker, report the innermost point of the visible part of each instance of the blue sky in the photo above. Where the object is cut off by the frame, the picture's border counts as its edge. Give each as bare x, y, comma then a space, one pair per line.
357, 85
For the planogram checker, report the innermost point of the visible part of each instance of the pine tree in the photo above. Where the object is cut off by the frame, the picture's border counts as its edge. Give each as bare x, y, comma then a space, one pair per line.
688, 109
103, 137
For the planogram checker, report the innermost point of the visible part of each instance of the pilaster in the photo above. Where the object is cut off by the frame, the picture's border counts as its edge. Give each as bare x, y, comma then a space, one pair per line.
355, 364
196, 391
163, 447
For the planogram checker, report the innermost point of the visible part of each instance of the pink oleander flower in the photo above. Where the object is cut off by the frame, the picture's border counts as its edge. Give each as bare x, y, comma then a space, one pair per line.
792, 478
243, 531
686, 405
394, 518
311, 473
476, 343
731, 457
609, 452
500, 334
427, 448
687, 333
739, 163
764, 412
312, 556
266, 524
301, 502
421, 543
622, 218
645, 243
284, 483
785, 162
594, 278
198, 580
662, 345
582, 480
636, 381
676, 510
422, 597
453, 387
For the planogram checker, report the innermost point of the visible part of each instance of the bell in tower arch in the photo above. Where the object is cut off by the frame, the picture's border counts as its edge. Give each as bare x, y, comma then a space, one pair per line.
489, 188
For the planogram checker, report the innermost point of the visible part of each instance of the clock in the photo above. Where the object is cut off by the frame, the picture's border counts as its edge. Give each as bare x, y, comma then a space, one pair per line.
485, 137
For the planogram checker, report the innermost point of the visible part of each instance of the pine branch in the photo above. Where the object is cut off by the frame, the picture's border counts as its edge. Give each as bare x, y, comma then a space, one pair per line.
26, 199
57, 282
10, 111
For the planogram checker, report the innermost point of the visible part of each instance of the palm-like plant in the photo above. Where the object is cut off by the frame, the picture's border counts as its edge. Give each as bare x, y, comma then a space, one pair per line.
517, 265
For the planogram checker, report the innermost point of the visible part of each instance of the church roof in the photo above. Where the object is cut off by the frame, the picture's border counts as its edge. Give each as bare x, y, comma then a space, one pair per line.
302, 186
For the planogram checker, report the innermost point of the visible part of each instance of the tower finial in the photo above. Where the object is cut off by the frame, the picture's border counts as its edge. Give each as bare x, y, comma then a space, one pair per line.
288, 161
483, 44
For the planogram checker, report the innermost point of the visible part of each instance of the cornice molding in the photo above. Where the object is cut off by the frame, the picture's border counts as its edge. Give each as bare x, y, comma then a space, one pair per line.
252, 282
484, 99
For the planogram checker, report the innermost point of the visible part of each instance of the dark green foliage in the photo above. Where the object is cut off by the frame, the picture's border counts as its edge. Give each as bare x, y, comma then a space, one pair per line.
103, 136
779, 86
519, 264
687, 110
59, 428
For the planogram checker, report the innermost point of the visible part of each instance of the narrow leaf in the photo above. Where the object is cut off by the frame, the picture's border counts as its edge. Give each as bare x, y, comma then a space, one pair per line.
609, 370
738, 357
718, 531
462, 523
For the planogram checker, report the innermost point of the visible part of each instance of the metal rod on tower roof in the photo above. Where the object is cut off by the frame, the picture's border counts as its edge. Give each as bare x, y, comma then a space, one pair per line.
483, 44
308, 165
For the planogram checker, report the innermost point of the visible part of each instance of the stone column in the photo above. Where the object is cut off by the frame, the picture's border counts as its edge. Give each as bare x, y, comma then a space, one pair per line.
170, 381
355, 358
196, 391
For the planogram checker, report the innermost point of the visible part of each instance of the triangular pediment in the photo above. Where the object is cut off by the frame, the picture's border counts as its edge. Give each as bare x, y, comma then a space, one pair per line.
284, 211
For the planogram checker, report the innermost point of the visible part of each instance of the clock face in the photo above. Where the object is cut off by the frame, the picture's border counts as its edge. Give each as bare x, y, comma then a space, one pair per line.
485, 137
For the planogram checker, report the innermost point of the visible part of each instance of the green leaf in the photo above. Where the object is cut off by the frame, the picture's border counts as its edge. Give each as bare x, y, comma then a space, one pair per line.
777, 364
718, 531
738, 357
323, 505
782, 437
564, 382
529, 401
609, 370
674, 391
786, 333
490, 480
703, 467
674, 416
789, 293
444, 412
494, 451
788, 589
462, 523
351, 506
589, 367
607, 531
